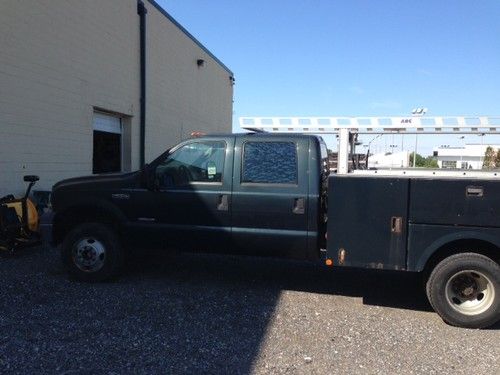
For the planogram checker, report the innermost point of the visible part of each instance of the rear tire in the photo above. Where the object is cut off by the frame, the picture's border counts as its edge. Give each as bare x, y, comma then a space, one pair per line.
91, 252
464, 289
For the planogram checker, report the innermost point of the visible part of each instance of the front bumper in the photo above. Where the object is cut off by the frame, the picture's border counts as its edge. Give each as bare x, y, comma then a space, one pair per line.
46, 225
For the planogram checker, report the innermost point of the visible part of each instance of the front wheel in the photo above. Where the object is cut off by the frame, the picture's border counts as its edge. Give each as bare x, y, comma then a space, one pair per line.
464, 289
91, 252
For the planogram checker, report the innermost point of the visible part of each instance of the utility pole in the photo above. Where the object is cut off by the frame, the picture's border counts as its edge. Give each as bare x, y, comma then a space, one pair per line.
463, 150
417, 112
482, 151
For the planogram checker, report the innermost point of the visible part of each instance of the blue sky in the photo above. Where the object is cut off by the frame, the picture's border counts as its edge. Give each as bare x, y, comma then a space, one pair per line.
354, 58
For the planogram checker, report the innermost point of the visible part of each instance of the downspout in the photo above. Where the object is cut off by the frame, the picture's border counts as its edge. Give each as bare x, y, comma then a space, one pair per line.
142, 11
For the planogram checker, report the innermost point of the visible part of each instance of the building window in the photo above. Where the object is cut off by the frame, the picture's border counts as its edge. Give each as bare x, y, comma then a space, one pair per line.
449, 164
270, 163
195, 162
107, 151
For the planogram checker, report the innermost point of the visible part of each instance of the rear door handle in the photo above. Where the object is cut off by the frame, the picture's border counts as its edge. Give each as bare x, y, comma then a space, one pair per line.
299, 207
396, 224
222, 202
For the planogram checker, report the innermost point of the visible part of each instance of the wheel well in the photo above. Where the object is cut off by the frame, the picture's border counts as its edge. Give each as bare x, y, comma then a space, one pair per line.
462, 246
65, 221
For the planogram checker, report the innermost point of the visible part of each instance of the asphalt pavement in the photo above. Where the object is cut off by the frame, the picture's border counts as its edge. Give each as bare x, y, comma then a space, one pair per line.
210, 314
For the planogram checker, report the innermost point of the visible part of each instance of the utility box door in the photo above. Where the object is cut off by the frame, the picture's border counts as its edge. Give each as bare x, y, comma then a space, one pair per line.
464, 202
367, 221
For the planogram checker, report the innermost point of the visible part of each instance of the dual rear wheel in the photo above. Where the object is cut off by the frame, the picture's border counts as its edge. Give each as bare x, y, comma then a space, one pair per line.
464, 289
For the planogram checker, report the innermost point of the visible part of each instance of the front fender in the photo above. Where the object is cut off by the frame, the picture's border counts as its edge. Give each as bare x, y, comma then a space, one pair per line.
85, 209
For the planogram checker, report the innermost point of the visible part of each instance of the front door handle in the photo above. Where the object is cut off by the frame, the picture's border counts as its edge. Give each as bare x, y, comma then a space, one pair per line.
299, 207
222, 203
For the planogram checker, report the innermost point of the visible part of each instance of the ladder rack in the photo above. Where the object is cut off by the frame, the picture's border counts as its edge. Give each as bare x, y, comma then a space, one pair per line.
371, 125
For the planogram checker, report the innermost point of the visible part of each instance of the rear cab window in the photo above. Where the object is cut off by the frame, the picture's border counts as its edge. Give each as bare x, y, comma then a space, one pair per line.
269, 162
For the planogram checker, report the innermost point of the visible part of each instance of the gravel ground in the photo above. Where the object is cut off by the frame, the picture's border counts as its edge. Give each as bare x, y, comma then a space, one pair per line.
213, 314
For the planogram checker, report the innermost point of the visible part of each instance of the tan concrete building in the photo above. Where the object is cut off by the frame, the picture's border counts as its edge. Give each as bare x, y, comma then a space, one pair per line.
71, 88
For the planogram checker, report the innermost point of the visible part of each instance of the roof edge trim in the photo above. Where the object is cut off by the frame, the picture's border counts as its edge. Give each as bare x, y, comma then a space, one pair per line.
189, 35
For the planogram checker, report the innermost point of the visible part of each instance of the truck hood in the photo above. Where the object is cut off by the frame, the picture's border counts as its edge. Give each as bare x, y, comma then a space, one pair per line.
100, 182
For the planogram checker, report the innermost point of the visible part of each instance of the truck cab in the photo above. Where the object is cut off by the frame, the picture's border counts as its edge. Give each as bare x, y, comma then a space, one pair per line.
250, 193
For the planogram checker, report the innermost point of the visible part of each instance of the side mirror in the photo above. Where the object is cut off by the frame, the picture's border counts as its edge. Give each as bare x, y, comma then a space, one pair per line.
148, 177
31, 178
156, 183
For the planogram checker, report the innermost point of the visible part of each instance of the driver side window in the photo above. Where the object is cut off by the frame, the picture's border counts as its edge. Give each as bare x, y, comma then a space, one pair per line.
195, 162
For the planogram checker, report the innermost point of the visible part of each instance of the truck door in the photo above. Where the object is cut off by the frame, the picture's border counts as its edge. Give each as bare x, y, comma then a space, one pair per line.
270, 193
193, 196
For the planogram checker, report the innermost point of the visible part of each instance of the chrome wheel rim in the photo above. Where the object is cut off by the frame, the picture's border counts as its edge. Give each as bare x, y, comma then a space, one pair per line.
89, 254
470, 292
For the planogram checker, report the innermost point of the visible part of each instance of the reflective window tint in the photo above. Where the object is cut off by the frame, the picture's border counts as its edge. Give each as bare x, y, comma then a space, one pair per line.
270, 162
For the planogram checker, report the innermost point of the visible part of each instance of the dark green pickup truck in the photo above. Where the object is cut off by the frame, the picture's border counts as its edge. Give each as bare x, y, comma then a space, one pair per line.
273, 195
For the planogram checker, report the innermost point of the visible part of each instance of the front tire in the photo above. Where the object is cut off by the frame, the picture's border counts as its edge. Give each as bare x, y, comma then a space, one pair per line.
464, 289
91, 252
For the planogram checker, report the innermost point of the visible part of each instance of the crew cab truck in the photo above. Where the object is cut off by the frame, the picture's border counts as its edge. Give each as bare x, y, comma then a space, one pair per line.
272, 194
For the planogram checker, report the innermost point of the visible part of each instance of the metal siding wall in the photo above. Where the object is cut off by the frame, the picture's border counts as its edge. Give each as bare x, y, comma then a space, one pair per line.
60, 59
182, 97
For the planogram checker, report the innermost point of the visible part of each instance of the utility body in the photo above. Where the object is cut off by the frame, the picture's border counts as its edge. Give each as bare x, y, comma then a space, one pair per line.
273, 195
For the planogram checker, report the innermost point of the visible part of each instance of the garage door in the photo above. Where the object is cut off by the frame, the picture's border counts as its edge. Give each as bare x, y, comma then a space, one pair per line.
107, 152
